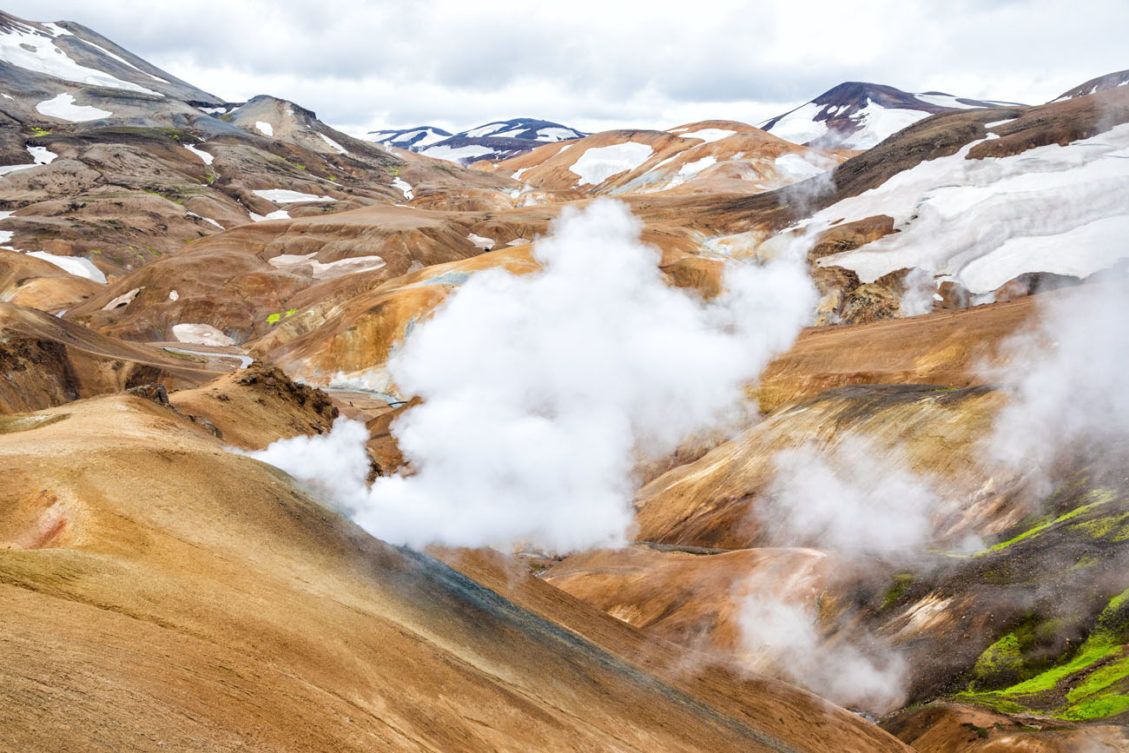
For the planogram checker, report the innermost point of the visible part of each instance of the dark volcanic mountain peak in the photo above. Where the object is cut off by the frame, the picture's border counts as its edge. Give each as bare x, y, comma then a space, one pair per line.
496, 140
1095, 85
860, 114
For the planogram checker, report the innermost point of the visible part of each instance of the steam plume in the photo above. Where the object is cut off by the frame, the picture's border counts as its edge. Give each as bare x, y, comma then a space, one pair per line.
542, 392
1071, 392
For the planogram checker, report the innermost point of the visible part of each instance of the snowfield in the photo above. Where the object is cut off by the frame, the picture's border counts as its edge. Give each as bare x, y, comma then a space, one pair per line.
1055, 209
76, 265
708, 135
486, 130
457, 153
62, 107
278, 214
690, 170
284, 196
794, 167
944, 100
557, 134
876, 123
200, 334
799, 126
879, 123
602, 162
264, 128
21, 46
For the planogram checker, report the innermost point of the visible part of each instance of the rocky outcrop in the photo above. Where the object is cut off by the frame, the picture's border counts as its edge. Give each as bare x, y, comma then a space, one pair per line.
45, 361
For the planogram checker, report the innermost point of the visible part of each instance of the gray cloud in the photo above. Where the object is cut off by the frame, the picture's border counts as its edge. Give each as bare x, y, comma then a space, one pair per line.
603, 63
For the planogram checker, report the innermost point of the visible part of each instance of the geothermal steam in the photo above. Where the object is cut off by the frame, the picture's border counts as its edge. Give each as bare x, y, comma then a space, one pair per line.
542, 392
1071, 395
856, 498
862, 502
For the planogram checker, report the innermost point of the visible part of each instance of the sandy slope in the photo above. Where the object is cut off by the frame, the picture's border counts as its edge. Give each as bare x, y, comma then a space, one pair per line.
161, 592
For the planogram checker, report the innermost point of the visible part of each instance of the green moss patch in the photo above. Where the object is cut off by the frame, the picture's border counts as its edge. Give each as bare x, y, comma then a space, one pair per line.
1092, 499
1098, 708
278, 316
1002, 658
901, 584
1091, 684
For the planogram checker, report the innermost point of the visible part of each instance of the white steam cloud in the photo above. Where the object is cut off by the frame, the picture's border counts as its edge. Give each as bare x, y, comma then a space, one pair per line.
855, 498
542, 392
334, 466
864, 503
920, 289
784, 637
1074, 365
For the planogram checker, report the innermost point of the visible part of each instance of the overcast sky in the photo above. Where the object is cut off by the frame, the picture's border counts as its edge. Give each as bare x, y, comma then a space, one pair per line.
605, 63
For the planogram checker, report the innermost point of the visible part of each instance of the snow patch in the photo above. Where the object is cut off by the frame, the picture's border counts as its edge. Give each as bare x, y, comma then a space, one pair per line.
278, 214
200, 334
321, 271
62, 107
264, 128
24, 47
879, 123
797, 167
208, 220
690, 170
1058, 209
800, 125
285, 196
120, 59
945, 100
204, 156
404, 187
484, 243
602, 162
333, 144
457, 153
707, 135
556, 134
486, 130
40, 155
75, 265
122, 300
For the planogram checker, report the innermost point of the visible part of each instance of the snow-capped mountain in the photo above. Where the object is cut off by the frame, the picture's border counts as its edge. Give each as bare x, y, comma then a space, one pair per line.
1095, 85
523, 128
859, 115
35, 56
410, 138
497, 140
